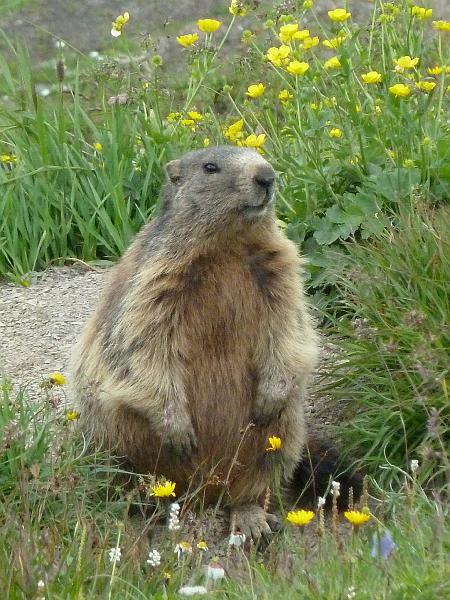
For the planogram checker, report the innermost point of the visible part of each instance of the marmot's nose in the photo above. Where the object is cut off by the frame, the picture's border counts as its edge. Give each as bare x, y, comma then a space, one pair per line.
265, 176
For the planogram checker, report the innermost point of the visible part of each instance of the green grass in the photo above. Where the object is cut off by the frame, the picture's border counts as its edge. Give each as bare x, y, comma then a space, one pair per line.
61, 512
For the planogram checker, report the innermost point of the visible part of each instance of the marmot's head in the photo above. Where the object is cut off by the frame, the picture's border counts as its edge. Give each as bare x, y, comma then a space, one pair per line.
221, 185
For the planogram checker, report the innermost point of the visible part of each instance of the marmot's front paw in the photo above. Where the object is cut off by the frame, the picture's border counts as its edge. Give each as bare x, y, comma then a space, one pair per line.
253, 522
271, 399
181, 442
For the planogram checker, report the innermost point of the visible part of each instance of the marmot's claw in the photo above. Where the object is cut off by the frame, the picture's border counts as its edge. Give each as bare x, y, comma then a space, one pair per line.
255, 523
181, 444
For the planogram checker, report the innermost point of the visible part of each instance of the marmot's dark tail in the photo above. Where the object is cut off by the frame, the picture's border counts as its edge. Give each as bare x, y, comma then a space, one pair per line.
319, 466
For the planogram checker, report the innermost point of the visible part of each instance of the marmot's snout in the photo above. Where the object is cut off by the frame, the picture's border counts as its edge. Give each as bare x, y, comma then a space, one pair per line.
265, 177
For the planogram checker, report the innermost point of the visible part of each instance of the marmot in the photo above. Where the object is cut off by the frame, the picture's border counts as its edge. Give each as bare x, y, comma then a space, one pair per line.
202, 331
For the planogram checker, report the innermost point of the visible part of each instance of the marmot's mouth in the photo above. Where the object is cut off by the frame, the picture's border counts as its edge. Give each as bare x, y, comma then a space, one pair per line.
258, 208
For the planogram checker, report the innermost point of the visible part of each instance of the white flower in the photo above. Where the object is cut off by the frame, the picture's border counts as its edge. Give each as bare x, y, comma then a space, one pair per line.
40, 584
174, 509
351, 593
154, 558
214, 572
335, 488
414, 465
192, 590
44, 92
320, 502
115, 555
59, 44
236, 539
174, 521
174, 524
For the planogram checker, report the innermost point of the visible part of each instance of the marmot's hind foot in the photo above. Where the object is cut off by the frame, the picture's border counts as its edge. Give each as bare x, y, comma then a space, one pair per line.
254, 522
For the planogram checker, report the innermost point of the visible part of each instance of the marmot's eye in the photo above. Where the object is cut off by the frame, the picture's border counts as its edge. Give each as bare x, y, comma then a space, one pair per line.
211, 168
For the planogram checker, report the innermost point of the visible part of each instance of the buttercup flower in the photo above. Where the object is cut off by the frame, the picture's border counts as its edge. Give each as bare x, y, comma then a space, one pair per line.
274, 444
441, 25
237, 9
332, 63
297, 68
400, 90
163, 490
339, 14
188, 39
406, 62
284, 96
371, 77
356, 518
335, 42
208, 25
8, 159
256, 90
437, 70
421, 13
194, 115
97, 147
301, 35
57, 379
335, 133
287, 32
118, 24
234, 132
426, 86
255, 141
278, 56
300, 517
310, 42
72, 415
308, 4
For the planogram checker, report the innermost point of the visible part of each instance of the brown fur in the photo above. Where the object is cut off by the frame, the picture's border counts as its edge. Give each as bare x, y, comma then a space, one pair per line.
203, 330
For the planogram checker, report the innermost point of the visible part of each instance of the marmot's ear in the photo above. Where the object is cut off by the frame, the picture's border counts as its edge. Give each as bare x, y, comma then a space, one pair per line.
173, 169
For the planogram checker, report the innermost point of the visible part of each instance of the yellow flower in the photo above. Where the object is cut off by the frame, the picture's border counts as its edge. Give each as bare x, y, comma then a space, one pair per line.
278, 56
437, 70
329, 102
206, 142
313, 106
400, 90
188, 39
202, 545
188, 122
297, 68
163, 490
57, 379
254, 141
256, 90
301, 35
208, 25
310, 42
274, 444
426, 86
426, 141
332, 63
408, 163
335, 42
118, 24
173, 116
8, 159
234, 132
284, 96
97, 147
287, 32
72, 415
356, 518
194, 115
308, 4
300, 517
371, 77
405, 62
335, 133
339, 14
441, 25
421, 13
237, 9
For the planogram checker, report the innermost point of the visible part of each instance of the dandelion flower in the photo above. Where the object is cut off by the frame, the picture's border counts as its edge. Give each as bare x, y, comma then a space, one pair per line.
154, 558
119, 23
188, 39
256, 90
287, 32
274, 444
356, 518
332, 63
237, 9
421, 12
426, 86
284, 96
437, 70
400, 90
208, 25
339, 14
335, 132
278, 56
57, 379
234, 131
300, 517
371, 77
405, 62
202, 545
72, 415
163, 490
441, 25
296, 67
115, 554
